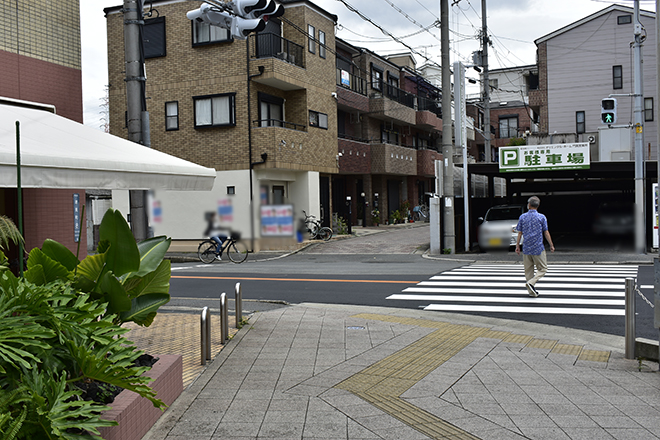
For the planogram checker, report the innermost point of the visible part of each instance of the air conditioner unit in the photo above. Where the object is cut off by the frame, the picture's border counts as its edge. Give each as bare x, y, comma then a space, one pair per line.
282, 55
292, 58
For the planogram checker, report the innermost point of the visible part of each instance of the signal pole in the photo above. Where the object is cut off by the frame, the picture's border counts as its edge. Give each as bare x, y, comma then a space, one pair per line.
138, 128
484, 63
640, 230
447, 147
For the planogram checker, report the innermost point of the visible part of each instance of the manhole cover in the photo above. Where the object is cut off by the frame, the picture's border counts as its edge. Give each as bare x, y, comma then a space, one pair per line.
355, 327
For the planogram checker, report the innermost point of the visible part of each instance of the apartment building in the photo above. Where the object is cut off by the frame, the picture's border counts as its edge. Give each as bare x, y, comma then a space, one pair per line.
586, 61
389, 123
262, 112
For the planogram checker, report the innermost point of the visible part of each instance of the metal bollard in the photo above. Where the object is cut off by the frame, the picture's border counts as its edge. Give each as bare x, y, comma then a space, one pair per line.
205, 335
630, 319
238, 304
224, 319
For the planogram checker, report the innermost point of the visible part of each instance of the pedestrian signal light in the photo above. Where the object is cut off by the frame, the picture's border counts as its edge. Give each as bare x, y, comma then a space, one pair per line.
608, 111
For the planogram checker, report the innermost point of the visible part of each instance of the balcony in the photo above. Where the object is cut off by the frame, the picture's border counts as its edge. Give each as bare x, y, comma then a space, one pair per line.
271, 50
352, 82
429, 114
393, 159
355, 155
392, 104
272, 45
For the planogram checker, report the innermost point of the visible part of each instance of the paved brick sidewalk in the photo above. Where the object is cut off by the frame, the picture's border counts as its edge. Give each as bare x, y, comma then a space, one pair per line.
340, 372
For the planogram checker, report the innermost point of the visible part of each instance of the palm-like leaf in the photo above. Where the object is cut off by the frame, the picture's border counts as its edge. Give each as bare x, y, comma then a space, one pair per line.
144, 308
8, 232
122, 256
50, 270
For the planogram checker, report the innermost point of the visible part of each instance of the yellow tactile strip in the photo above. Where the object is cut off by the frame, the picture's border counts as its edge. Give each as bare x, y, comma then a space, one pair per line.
179, 333
382, 383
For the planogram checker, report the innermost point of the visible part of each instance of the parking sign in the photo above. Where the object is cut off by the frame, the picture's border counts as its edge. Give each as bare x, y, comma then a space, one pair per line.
544, 157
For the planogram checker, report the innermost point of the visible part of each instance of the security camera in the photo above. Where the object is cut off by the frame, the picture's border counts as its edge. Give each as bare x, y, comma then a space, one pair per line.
334, 95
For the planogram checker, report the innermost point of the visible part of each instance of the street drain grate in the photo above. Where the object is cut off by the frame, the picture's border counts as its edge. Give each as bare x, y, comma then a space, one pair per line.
355, 327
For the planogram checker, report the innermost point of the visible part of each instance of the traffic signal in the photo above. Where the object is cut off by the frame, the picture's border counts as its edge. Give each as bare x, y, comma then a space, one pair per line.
264, 9
608, 111
251, 16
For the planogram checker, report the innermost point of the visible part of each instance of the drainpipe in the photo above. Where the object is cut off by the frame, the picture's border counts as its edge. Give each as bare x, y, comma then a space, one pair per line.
249, 80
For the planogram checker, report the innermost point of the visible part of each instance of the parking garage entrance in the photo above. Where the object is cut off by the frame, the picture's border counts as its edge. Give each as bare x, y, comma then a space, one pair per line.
574, 202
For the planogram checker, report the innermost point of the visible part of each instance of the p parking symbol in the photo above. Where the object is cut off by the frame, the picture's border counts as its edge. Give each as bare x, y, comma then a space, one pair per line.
509, 157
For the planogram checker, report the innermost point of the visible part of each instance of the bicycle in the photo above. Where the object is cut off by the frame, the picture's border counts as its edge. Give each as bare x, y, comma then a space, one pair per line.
421, 213
315, 229
236, 250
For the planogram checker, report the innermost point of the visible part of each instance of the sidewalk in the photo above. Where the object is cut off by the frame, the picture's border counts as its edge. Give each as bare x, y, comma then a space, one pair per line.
348, 372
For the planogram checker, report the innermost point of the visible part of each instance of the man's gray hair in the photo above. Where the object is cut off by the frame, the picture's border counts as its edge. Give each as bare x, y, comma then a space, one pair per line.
534, 202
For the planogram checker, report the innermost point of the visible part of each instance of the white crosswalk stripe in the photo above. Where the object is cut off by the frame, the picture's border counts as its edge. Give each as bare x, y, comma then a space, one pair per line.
500, 288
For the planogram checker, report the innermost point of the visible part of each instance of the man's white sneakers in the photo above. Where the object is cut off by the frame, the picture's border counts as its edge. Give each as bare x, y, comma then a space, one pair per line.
532, 290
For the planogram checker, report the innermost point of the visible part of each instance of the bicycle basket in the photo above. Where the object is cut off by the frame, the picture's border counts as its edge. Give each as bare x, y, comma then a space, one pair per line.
235, 236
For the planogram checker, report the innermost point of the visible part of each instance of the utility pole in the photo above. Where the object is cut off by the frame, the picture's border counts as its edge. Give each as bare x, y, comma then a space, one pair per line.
447, 147
640, 230
138, 127
484, 63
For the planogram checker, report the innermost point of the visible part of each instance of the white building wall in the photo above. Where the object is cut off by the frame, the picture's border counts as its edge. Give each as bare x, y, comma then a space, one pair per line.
511, 86
580, 63
183, 215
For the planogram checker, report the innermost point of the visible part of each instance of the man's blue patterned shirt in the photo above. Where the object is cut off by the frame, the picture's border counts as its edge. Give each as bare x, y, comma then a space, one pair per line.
532, 224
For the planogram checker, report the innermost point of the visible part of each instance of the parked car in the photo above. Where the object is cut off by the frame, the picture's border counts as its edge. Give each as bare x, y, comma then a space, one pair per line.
498, 227
615, 218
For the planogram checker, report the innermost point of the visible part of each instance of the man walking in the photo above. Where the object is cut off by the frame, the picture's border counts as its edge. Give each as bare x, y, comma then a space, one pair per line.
532, 227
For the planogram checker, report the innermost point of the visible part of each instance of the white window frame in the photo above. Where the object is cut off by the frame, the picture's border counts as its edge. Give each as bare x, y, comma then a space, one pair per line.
215, 110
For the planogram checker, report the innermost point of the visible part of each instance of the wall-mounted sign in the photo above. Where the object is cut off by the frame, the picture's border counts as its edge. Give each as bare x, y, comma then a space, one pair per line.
345, 78
277, 220
544, 157
76, 217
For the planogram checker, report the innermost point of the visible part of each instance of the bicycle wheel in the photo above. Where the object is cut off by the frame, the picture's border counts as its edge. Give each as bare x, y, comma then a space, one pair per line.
206, 251
325, 233
237, 252
313, 229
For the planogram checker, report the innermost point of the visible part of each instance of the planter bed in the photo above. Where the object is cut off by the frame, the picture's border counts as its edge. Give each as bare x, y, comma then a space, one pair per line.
135, 414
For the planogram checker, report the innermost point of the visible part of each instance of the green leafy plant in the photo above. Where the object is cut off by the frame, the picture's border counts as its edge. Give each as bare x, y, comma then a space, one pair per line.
133, 279
341, 225
395, 217
375, 217
446, 251
8, 233
52, 337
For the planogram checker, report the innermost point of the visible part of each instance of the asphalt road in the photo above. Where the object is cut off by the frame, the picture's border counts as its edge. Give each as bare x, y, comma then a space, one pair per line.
362, 271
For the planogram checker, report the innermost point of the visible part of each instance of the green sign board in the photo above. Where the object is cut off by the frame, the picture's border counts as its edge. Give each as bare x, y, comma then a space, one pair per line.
544, 157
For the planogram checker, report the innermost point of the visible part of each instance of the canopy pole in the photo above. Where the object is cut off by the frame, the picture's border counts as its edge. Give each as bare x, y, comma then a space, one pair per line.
20, 197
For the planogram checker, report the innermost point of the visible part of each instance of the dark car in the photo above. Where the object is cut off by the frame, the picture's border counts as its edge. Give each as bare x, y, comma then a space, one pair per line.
498, 227
615, 218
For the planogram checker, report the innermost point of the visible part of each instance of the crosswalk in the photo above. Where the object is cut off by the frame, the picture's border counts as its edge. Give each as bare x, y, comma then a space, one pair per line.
500, 288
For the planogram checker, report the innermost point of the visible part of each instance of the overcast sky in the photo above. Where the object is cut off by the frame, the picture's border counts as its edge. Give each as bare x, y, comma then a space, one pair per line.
513, 26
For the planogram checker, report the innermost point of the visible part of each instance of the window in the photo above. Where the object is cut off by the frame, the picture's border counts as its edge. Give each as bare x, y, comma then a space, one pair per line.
580, 126
392, 86
508, 126
231, 190
493, 83
624, 19
376, 78
215, 110
617, 77
278, 195
389, 135
317, 119
204, 33
322, 44
171, 115
153, 37
648, 109
311, 32
271, 111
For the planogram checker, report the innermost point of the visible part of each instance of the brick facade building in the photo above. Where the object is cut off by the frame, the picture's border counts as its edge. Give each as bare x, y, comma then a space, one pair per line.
40, 62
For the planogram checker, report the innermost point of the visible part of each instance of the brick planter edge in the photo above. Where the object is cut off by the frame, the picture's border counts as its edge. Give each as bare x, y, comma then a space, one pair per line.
135, 414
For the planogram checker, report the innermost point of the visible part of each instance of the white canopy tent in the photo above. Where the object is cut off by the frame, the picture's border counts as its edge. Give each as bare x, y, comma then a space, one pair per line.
60, 153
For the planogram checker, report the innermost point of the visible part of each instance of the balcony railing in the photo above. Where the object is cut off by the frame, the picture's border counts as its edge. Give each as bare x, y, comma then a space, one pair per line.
426, 104
278, 123
352, 82
272, 45
396, 94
